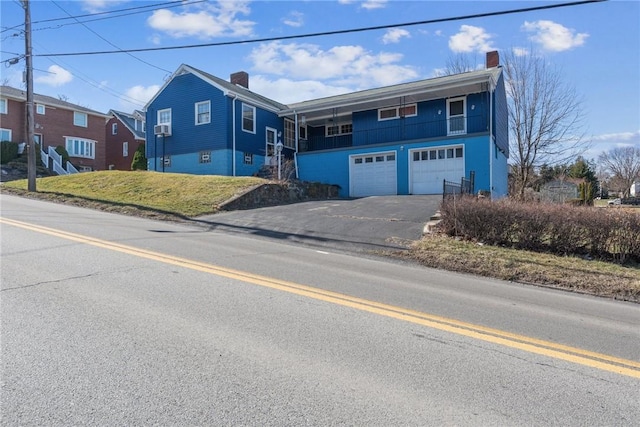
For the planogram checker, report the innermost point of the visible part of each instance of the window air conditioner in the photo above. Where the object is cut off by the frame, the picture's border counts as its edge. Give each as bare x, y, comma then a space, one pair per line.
162, 130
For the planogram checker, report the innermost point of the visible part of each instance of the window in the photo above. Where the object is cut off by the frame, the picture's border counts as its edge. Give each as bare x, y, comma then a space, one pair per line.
164, 117
4, 107
248, 118
456, 117
167, 161
459, 152
290, 133
78, 147
342, 129
248, 158
114, 129
37, 137
5, 135
203, 112
40, 109
85, 168
205, 157
125, 149
390, 113
80, 119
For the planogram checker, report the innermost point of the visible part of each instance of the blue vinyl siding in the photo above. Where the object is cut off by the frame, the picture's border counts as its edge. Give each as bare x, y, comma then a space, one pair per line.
332, 166
181, 96
500, 174
501, 117
254, 143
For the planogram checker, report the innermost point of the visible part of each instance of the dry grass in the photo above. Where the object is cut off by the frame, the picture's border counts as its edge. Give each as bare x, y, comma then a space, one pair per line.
571, 273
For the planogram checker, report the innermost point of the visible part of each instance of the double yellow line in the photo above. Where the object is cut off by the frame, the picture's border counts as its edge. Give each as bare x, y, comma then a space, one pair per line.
495, 336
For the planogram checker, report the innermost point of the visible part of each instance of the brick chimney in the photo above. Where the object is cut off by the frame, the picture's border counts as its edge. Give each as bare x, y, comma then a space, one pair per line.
493, 60
240, 78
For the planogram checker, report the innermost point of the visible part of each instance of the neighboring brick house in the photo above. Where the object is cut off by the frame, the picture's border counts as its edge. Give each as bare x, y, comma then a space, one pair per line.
124, 133
57, 123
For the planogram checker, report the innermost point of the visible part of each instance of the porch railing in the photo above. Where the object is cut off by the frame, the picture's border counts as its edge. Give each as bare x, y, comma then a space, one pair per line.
399, 130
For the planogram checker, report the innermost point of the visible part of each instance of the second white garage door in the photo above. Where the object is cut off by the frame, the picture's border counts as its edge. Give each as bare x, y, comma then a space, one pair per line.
373, 175
430, 167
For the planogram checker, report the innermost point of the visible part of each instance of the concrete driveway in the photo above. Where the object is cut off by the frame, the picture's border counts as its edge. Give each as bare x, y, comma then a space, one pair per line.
367, 224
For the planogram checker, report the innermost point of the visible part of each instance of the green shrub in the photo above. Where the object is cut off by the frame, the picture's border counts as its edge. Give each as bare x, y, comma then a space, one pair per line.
8, 151
64, 154
139, 161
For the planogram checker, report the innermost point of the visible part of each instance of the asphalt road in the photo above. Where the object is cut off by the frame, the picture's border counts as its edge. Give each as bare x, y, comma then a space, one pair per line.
111, 320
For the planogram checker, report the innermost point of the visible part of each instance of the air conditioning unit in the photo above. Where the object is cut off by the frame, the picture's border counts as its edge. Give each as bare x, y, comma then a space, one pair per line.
162, 130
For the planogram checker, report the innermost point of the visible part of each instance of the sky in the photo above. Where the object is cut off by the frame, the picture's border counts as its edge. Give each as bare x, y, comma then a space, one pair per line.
595, 47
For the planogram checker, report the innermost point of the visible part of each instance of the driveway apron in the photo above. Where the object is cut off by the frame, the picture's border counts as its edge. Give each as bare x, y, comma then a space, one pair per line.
369, 224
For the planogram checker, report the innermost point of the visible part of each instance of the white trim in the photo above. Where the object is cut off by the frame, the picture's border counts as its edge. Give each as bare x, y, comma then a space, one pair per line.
339, 126
78, 114
436, 148
4, 106
87, 151
269, 158
373, 155
6, 130
114, 128
254, 118
463, 115
158, 122
38, 106
125, 149
197, 113
397, 109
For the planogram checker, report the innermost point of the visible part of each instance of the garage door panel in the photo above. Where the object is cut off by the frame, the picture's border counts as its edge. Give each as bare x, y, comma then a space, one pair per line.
430, 167
373, 175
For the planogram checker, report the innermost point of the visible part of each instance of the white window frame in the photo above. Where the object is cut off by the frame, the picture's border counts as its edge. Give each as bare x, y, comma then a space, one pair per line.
208, 113
114, 128
125, 149
166, 159
4, 106
290, 135
248, 158
159, 119
253, 117
80, 147
340, 127
8, 131
463, 116
398, 110
80, 119
40, 109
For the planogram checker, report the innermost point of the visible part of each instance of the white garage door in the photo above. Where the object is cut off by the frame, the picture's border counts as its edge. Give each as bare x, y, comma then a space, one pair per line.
373, 175
430, 167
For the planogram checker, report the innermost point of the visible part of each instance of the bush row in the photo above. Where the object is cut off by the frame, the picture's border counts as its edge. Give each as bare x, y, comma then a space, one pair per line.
610, 234
8, 151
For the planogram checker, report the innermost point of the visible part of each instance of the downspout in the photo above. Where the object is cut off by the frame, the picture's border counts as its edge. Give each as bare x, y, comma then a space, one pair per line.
491, 143
297, 137
233, 137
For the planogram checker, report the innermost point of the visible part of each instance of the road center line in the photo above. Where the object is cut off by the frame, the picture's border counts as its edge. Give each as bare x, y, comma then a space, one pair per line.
532, 345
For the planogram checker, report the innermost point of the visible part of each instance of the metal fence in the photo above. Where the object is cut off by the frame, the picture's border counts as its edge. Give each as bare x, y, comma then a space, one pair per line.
465, 186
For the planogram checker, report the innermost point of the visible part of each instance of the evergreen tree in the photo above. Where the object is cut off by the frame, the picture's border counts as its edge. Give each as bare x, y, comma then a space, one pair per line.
139, 161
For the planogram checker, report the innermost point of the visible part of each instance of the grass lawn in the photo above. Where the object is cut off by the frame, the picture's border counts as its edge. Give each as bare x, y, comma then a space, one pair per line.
178, 194
168, 195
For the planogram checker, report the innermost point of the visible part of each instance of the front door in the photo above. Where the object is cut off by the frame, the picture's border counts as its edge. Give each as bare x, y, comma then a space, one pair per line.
270, 149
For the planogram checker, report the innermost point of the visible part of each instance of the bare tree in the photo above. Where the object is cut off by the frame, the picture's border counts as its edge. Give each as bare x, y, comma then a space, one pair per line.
624, 164
545, 116
459, 63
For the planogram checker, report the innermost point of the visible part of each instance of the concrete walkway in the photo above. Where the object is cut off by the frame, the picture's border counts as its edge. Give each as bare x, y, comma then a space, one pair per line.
367, 224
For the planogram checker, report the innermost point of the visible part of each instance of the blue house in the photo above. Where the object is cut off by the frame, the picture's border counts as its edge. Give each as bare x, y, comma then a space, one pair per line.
401, 139
200, 124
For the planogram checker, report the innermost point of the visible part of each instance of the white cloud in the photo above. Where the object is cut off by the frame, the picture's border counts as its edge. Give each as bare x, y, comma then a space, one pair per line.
352, 66
553, 36
294, 19
438, 32
520, 51
94, 6
140, 94
212, 20
57, 76
470, 39
290, 91
374, 4
394, 35
610, 141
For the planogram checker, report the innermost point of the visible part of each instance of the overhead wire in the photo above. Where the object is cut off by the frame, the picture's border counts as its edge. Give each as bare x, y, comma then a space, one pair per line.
335, 32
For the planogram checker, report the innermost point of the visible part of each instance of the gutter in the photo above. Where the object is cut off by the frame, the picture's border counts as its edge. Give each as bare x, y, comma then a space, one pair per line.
233, 133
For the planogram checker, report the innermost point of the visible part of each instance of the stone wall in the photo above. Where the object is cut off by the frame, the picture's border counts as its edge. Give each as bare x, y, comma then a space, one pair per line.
279, 193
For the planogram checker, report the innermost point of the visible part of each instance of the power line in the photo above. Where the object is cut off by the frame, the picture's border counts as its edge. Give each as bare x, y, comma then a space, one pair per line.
330, 33
98, 35
150, 7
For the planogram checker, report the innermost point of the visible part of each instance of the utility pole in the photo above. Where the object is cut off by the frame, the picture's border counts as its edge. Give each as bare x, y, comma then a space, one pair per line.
31, 145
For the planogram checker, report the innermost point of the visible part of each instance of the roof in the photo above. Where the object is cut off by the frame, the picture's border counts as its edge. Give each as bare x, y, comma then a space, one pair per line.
129, 121
228, 88
21, 95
